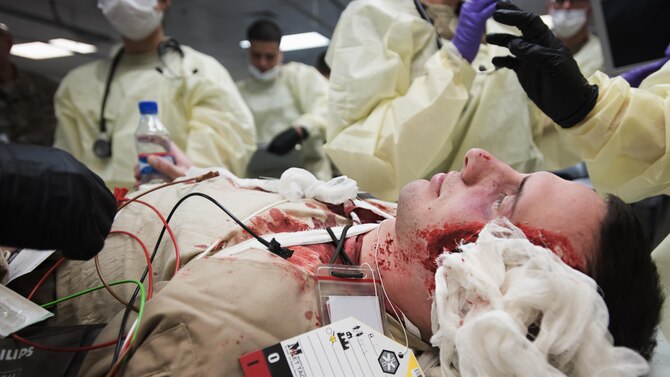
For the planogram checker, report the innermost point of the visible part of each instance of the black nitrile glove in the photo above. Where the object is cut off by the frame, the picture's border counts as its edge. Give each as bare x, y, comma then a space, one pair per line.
49, 200
544, 66
286, 140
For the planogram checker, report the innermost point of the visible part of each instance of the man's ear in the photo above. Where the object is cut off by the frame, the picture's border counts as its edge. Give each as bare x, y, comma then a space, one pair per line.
280, 58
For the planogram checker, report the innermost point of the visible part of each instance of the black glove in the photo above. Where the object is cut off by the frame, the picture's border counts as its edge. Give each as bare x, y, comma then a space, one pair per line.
49, 200
286, 140
544, 66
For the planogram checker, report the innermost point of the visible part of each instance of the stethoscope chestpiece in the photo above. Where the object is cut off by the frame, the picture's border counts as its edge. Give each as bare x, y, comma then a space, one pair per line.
102, 147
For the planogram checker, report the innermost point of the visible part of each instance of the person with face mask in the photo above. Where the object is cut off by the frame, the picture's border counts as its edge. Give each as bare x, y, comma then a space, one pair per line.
96, 104
401, 107
570, 24
289, 104
621, 132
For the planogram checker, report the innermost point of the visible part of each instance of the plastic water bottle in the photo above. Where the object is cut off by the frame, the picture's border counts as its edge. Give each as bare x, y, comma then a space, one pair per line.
151, 139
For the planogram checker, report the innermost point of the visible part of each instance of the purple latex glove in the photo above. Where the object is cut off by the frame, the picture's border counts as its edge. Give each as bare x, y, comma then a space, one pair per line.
636, 75
471, 26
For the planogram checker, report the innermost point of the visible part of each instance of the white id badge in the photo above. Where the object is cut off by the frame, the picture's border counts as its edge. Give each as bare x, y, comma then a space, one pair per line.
350, 291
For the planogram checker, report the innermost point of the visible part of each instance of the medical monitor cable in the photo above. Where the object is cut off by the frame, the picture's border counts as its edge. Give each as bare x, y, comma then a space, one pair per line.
174, 242
58, 349
78, 294
381, 281
197, 179
272, 245
44, 277
150, 289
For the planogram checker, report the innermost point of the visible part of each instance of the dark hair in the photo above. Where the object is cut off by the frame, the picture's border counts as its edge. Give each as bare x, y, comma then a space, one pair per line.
627, 276
264, 30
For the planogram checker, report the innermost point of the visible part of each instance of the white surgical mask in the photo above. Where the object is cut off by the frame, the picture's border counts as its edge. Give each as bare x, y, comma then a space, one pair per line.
567, 22
268, 75
134, 19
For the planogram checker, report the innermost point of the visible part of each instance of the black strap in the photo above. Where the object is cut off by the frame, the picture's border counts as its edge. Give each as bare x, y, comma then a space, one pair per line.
170, 43
108, 84
339, 250
425, 16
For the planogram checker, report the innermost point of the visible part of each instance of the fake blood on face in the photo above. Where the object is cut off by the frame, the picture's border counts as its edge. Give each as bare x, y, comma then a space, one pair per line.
446, 239
440, 240
557, 243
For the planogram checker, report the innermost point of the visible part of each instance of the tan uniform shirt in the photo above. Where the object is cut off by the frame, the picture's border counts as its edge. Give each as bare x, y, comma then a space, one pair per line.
217, 309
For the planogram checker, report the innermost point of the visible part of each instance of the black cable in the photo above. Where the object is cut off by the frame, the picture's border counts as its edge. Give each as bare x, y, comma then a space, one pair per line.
334, 239
425, 16
340, 246
273, 246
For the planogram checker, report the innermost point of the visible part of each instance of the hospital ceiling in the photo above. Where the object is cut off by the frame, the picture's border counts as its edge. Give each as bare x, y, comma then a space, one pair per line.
211, 26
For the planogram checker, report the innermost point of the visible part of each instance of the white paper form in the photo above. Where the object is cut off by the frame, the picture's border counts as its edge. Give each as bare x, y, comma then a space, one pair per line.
364, 308
341, 349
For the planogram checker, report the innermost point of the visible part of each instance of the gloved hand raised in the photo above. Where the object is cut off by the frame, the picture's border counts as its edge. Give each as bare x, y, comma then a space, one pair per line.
636, 75
49, 200
286, 140
544, 66
471, 26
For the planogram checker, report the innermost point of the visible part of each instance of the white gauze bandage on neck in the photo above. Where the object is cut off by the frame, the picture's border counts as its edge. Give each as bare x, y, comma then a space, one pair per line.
487, 296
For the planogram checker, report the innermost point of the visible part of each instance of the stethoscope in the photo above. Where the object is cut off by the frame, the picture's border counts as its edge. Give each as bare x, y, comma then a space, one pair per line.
102, 147
425, 16
422, 11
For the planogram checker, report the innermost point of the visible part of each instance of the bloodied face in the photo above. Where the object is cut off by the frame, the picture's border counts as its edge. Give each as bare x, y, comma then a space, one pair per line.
436, 215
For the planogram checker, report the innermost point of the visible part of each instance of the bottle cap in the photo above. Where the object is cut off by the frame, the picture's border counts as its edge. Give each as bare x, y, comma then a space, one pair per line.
148, 107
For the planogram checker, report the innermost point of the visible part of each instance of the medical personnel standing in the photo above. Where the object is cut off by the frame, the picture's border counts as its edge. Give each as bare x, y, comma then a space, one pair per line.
570, 24
96, 104
620, 132
402, 108
288, 101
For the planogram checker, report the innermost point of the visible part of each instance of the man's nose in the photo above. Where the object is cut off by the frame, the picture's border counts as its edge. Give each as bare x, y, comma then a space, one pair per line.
476, 156
472, 166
